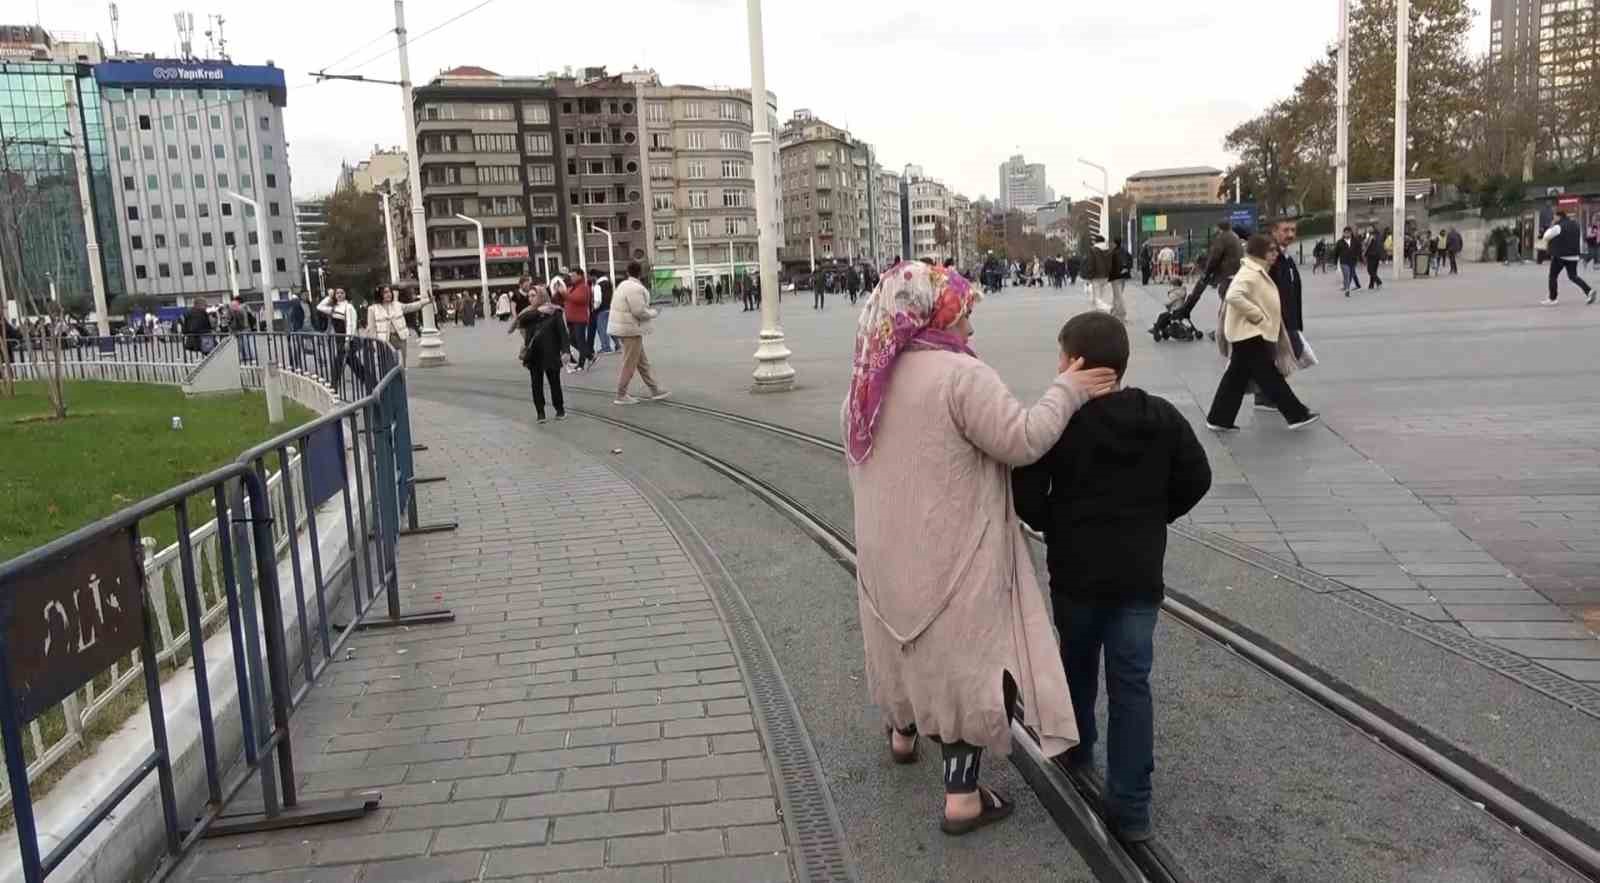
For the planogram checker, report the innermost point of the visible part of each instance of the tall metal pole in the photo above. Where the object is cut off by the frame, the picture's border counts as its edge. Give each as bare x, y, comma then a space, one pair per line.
262, 254
694, 276
1402, 52
611, 252
583, 250
233, 272
483, 265
773, 372
388, 237
430, 347
1341, 150
91, 237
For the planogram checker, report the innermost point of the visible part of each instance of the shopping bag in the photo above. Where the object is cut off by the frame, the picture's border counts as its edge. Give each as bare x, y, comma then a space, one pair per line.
1308, 356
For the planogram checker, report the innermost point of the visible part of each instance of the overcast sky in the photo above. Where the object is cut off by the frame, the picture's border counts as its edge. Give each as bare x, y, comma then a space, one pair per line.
953, 86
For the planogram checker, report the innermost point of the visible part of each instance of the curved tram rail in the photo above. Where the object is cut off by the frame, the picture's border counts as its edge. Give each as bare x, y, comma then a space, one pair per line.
1074, 801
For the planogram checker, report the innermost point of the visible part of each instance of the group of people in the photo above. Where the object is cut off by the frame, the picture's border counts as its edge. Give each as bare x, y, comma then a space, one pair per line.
851, 280
562, 319
945, 465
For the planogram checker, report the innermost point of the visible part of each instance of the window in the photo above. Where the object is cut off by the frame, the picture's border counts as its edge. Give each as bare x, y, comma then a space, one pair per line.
155, 212
696, 140
216, 122
541, 205
180, 211
255, 265
695, 170
218, 151
537, 143
222, 184
199, 182
149, 152
501, 112
733, 168
594, 136
499, 175
277, 237
536, 112
728, 111
187, 268
494, 143
166, 122
666, 231
120, 124
500, 206
203, 210
266, 126
698, 199
566, 107
249, 211
244, 151
139, 272
151, 182
206, 241
660, 170
211, 268
660, 141
279, 264
266, 151
691, 110
701, 228
596, 167
191, 122
734, 141
444, 175
172, 151
272, 182
177, 182
572, 167
662, 201
124, 154
735, 226
137, 242
569, 138
596, 196
184, 241
735, 199
238, 124
227, 238
272, 209
164, 271
244, 182
127, 183
655, 112
227, 210
144, 122
160, 240
545, 174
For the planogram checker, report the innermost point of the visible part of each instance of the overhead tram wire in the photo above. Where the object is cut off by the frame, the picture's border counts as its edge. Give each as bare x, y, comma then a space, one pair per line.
411, 40
387, 32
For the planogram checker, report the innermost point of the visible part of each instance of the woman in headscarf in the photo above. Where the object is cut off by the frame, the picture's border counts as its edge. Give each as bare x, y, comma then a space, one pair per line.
544, 346
954, 622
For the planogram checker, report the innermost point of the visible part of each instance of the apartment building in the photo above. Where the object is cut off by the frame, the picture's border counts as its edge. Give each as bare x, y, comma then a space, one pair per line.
387, 171
486, 148
927, 216
186, 133
1189, 184
820, 191
601, 131
886, 208
310, 216
963, 231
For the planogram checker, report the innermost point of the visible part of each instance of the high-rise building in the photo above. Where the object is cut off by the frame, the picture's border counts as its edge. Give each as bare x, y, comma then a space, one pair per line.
1022, 185
38, 174
486, 147
1554, 49
186, 134
927, 216
822, 187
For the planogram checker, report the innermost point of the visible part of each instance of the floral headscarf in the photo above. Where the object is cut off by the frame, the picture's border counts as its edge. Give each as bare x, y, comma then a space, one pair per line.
913, 307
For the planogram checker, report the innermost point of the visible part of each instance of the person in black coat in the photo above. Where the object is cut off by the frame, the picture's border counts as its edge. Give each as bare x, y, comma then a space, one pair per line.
197, 327
1286, 275
544, 344
1374, 255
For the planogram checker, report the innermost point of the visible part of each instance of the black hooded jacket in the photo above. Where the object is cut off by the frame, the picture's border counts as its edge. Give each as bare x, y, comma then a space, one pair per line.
1126, 467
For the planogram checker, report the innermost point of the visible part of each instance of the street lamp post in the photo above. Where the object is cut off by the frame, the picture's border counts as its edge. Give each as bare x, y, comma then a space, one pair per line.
694, 277
1402, 24
1341, 150
611, 254
773, 372
388, 237
483, 265
583, 255
430, 348
1105, 197
261, 253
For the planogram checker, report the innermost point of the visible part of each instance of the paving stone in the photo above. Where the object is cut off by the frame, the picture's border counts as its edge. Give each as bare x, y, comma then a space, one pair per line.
735, 723
661, 749
617, 700
674, 847
756, 839
570, 757
665, 794
719, 765
434, 869
1587, 670
378, 739
414, 795
457, 769
545, 859
613, 735
522, 832
420, 752
1487, 596
725, 813
341, 874
372, 847
1536, 649
762, 869
438, 815
1509, 612
1527, 630
671, 711
633, 874
736, 787
612, 776
518, 744
506, 786
471, 730
570, 721
733, 743
609, 824
244, 861
559, 804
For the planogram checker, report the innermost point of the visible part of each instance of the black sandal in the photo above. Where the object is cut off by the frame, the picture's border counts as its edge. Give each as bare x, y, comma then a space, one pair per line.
908, 757
995, 808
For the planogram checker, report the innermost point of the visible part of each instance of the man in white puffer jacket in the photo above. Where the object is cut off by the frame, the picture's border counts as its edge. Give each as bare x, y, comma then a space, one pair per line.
631, 320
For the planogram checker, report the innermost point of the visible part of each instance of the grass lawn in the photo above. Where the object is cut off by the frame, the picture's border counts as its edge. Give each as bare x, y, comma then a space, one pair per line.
116, 447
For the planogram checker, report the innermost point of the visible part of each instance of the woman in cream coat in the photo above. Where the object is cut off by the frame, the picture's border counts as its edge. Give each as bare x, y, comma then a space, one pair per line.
1252, 322
386, 320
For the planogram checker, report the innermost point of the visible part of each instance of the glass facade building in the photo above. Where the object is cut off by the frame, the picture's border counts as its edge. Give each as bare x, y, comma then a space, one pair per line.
41, 230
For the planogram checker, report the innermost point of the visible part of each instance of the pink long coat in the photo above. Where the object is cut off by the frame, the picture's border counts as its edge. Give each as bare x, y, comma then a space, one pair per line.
949, 600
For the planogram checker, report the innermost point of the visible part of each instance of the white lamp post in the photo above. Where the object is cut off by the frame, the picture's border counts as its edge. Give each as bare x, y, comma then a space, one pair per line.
583, 251
694, 280
430, 348
388, 237
1402, 24
611, 254
773, 372
547, 274
1105, 197
261, 254
483, 265
1341, 149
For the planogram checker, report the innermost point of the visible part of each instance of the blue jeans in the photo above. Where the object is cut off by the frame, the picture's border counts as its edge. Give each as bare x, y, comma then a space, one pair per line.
597, 332
1349, 274
1127, 636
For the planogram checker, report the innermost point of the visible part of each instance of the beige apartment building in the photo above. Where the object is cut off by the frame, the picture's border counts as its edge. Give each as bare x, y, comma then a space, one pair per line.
886, 205
821, 191
927, 212
1189, 184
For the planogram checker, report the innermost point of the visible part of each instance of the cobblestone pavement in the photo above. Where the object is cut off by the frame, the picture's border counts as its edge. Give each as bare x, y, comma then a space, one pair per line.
1456, 472
584, 717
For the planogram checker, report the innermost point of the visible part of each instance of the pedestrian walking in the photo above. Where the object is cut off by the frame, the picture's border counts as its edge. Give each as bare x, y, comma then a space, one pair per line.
1097, 274
1347, 251
1593, 241
1121, 272
343, 325
1374, 249
930, 431
1146, 264
544, 348
1252, 325
386, 321
1223, 256
749, 294
502, 307
1319, 255
852, 283
576, 306
1127, 466
1285, 276
1564, 240
1452, 248
819, 285
632, 319
602, 292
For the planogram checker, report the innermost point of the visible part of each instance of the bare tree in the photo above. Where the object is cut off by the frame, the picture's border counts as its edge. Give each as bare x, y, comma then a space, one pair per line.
30, 194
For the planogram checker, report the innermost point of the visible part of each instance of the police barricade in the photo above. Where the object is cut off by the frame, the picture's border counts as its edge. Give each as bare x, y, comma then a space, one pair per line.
83, 605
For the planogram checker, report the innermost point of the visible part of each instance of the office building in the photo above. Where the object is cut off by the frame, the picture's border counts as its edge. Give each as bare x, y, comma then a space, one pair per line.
927, 216
486, 147
186, 134
1022, 185
310, 216
1554, 49
820, 191
38, 175
1185, 185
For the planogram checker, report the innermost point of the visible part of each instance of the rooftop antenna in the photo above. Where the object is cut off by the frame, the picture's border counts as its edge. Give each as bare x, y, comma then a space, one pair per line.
218, 43
185, 23
116, 27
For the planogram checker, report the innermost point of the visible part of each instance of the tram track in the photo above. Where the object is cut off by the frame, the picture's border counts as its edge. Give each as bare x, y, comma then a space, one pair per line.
1074, 801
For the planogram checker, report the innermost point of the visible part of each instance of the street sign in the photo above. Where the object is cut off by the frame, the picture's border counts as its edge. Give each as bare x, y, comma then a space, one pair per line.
69, 619
505, 251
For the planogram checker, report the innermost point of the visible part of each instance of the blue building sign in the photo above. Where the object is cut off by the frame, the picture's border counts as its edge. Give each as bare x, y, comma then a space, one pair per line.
170, 74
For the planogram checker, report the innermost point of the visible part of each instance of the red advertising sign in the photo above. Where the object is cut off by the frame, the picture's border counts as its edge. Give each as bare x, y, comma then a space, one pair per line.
1568, 202
506, 251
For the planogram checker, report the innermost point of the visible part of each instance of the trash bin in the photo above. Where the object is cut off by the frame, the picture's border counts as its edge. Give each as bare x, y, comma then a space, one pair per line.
1419, 263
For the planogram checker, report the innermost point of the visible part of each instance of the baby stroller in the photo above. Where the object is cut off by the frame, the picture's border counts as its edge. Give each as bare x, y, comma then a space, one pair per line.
1173, 323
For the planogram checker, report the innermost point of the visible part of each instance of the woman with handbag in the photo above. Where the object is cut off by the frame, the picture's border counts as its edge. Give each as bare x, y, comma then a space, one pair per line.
1252, 328
386, 320
544, 346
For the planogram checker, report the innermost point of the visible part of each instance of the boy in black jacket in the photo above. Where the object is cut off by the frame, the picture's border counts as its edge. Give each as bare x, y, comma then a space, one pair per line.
1127, 465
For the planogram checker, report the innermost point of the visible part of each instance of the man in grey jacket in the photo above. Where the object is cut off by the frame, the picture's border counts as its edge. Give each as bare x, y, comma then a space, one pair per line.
631, 319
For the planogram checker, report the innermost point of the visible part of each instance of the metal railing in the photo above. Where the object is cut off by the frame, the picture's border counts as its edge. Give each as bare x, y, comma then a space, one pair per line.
90, 613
